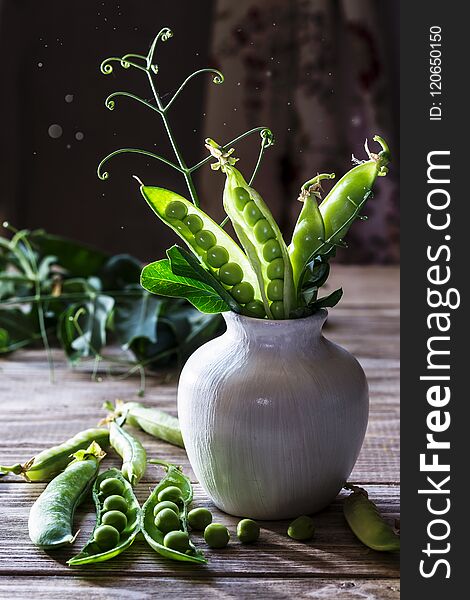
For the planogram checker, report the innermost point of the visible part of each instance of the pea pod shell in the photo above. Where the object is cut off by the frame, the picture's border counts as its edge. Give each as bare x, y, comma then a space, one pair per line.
367, 523
152, 534
248, 240
48, 463
133, 454
343, 204
51, 516
88, 554
153, 421
159, 199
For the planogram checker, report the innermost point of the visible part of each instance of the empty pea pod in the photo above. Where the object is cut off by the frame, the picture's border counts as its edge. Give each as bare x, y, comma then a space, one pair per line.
207, 240
153, 421
261, 238
115, 530
133, 454
176, 547
51, 517
48, 463
367, 523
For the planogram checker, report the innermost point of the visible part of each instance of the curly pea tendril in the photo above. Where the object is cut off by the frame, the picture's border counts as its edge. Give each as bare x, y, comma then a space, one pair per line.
148, 65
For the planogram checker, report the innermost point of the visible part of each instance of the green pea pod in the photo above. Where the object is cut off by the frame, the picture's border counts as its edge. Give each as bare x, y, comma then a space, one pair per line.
153, 535
133, 454
367, 523
259, 235
208, 241
48, 463
344, 202
51, 516
309, 231
153, 421
91, 552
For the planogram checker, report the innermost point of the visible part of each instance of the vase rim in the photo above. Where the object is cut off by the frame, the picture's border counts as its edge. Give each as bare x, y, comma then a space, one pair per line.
232, 316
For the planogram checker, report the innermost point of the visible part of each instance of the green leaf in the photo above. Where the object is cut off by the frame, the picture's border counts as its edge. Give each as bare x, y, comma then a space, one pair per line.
78, 259
186, 264
136, 317
82, 327
21, 329
120, 271
158, 278
330, 300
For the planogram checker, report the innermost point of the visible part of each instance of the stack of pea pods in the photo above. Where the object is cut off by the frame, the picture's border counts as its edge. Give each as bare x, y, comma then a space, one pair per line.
268, 279
165, 519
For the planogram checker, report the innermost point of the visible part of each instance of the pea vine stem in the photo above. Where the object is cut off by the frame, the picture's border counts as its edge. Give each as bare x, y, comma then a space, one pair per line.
151, 69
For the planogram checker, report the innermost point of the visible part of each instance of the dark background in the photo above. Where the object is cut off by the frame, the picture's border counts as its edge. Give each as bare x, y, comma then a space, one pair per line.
335, 84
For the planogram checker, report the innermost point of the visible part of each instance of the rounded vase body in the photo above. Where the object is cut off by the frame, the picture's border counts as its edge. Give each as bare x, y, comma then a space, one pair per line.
273, 416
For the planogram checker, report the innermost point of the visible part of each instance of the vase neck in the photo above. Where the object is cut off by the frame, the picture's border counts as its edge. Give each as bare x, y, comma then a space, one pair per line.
294, 332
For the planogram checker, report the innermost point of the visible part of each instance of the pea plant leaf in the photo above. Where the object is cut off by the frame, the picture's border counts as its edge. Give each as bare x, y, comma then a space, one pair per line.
158, 278
328, 301
186, 264
136, 316
82, 327
17, 328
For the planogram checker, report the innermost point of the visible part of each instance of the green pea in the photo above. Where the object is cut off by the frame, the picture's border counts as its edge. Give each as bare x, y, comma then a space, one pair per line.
205, 239
271, 250
252, 214
167, 520
115, 518
216, 535
231, 273
277, 309
301, 529
165, 504
115, 502
275, 269
217, 256
255, 309
199, 518
106, 536
263, 231
112, 486
171, 493
275, 289
247, 531
177, 540
243, 292
193, 223
241, 197
176, 210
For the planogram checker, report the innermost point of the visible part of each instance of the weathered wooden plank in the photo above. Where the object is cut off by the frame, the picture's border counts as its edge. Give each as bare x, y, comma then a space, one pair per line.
101, 588
371, 285
334, 551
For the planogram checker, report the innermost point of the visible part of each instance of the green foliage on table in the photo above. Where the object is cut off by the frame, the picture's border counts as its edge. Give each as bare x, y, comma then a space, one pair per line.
62, 293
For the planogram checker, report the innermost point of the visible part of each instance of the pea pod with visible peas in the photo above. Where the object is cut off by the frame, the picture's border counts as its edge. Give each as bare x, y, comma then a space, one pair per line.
343, 204
48, 463
367, 523
165, 534
133, 454
51, 516
153, 421
117, 519
261, 238
209, 242
309, 231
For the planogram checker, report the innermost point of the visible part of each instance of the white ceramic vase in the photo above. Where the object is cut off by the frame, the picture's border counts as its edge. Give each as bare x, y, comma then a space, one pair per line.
273, 416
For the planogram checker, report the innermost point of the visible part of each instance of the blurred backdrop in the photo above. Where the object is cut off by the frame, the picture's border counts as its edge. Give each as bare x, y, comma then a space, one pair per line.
322, 74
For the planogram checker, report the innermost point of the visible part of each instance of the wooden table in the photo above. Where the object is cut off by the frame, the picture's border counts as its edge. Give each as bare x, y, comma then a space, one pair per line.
37, 414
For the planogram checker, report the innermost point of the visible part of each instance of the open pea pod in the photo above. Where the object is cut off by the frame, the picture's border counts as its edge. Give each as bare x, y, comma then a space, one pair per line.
92, 552
153, 535
213, 246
